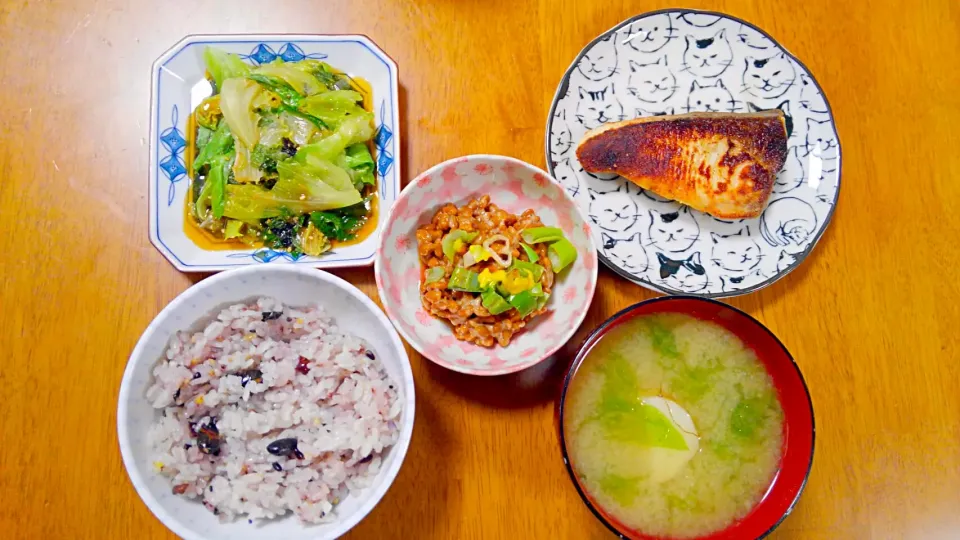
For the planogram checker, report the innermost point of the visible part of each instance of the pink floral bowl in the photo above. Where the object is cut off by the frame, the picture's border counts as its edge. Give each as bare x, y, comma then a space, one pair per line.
514, 186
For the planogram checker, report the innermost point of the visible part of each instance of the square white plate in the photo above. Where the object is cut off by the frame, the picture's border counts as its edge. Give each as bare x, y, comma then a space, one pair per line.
178, 85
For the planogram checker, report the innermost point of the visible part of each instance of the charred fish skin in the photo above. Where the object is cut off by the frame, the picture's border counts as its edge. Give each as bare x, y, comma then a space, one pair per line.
724, 164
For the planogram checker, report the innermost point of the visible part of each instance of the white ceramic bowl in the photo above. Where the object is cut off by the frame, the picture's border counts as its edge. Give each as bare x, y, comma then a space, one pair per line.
514, 186
178, 85
292, 285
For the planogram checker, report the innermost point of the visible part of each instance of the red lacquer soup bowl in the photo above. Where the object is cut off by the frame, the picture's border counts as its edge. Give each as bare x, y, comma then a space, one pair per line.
798, 436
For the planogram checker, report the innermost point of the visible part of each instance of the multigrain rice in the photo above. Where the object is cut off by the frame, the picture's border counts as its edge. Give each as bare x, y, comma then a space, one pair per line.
258, 374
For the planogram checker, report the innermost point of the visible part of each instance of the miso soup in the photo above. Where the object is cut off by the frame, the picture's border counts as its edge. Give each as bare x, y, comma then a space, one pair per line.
673, 426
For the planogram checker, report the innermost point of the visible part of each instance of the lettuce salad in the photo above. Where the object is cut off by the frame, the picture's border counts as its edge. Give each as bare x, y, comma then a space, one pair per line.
282, 155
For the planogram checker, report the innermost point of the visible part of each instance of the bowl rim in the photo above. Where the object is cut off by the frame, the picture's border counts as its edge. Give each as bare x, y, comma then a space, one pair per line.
413, 341
800, 257
153, 146
594, 336
373, 497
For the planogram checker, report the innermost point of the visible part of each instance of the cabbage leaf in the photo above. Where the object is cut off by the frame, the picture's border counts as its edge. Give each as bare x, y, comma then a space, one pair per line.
334, 107
301, 81
222, 65
300, 188
236, 102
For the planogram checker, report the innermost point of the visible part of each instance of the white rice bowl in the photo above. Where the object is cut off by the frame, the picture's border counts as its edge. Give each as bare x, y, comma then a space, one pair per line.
255, 356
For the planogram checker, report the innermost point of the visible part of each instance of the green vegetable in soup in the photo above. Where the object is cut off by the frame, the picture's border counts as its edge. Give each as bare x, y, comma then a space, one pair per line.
625, 418
643, 425
748, 415
674, 425
621, 389
691, 382
664, 341
623, 489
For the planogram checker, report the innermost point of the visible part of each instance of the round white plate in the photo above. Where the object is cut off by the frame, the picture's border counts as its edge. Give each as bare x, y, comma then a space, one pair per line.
678, 61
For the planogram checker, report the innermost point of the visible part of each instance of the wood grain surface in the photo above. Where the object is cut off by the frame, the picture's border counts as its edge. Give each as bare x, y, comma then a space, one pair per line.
871, 317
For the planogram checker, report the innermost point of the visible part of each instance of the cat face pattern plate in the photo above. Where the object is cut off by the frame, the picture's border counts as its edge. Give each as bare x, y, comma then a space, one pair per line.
679, 61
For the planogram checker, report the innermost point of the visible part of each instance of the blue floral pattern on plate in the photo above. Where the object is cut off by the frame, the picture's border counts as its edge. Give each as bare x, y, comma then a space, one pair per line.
172, 165
289, 52
265, 255
382, 139
179, 84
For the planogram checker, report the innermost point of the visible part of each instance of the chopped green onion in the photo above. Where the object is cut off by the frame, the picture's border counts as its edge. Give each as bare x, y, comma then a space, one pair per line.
464, 280
531, 254
450, 242
537, 290
494, 303
523, 266
561, 253
433, 274
537, 235
542, 300
525, 302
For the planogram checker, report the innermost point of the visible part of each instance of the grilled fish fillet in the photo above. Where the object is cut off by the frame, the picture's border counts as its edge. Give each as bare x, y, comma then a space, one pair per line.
724, 164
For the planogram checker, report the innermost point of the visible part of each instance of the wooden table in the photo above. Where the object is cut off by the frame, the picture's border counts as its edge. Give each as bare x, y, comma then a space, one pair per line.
872, 317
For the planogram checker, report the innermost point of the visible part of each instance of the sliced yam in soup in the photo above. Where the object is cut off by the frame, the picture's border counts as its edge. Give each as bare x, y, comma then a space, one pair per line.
673, 426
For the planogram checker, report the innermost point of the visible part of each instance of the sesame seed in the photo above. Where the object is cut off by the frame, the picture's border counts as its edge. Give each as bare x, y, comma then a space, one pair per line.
277, 467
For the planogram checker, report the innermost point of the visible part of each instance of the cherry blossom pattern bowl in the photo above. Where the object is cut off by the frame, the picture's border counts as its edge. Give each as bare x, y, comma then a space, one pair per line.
514, 186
